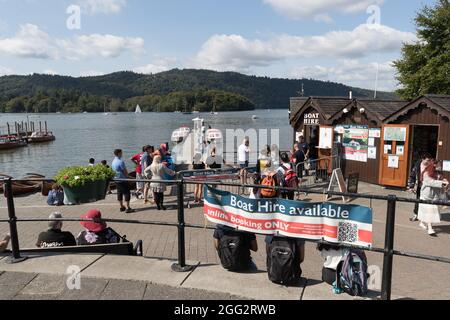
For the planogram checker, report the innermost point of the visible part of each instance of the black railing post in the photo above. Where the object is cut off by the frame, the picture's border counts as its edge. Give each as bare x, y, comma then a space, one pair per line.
388, 249
181, 265
15, 258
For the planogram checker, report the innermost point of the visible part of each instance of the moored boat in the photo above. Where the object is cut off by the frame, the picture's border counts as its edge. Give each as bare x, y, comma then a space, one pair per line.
11, 142
37, 137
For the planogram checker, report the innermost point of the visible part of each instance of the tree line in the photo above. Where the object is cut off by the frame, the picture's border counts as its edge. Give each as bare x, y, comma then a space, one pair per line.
62, 100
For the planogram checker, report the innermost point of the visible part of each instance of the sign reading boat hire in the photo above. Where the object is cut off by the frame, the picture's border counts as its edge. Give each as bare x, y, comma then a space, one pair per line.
336, 223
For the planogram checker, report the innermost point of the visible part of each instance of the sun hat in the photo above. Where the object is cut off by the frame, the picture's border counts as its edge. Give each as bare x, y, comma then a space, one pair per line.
93, 226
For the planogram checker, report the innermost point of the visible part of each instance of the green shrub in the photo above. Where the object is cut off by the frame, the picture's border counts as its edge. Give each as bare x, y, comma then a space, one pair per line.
79, 176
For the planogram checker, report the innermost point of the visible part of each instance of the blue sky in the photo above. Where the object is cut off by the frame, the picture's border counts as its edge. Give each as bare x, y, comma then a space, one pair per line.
322, 39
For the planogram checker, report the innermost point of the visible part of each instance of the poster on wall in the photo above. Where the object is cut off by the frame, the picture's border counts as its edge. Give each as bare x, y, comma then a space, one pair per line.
355, 142
326, 138
394, 134
446, 166
400, 150
372, 153
375, 133
393, 162
371, 142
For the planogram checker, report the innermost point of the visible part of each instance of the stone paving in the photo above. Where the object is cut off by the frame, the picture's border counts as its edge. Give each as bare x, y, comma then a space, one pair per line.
412, 278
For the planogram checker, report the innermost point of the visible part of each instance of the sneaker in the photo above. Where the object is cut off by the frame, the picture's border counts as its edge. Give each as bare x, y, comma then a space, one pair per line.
423, 226
123, 209
413, 218
431, 232
129, 210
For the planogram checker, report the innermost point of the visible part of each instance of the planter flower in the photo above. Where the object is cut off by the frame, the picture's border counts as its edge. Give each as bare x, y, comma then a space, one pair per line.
84, 184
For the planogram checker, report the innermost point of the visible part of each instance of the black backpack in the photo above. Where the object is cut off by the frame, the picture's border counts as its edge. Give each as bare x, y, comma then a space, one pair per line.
352, 276
283, 265
234, 252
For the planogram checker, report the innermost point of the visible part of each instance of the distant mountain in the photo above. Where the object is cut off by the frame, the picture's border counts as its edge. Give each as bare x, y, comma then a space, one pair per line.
263, 92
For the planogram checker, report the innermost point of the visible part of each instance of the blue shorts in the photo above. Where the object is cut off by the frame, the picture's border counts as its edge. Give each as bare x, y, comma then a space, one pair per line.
244, 165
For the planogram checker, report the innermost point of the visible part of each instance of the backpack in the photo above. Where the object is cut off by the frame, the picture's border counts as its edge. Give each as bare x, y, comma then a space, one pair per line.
290, 179
283, 266
234, 254
270, 182
352, 273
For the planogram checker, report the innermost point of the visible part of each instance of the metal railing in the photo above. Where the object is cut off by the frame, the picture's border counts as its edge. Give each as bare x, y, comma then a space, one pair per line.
388, 250
315, 172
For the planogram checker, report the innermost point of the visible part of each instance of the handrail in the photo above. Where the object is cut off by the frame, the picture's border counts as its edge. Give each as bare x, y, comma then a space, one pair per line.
388, 250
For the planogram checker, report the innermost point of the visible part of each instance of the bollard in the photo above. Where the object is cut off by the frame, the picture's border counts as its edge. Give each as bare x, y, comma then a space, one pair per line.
15, 258
181, 265
388, 249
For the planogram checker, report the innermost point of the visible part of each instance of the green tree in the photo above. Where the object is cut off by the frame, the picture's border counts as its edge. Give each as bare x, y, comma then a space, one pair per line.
425, 65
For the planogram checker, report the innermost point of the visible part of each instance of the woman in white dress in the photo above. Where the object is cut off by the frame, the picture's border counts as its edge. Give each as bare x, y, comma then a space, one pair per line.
158, 170
431, 190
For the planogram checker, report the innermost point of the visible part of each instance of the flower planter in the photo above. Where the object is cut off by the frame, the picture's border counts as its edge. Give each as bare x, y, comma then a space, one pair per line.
89, 192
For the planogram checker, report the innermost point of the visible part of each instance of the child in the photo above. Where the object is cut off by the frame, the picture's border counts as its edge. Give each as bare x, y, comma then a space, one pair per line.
56, 196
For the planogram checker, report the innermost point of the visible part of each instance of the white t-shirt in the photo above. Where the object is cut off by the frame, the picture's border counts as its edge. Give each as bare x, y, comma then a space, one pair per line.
243, 153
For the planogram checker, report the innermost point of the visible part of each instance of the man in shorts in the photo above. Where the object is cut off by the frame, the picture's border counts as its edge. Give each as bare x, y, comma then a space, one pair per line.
123, 188
243, 159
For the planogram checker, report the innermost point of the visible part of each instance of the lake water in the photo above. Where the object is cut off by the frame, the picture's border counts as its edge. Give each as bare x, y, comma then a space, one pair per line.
82, 136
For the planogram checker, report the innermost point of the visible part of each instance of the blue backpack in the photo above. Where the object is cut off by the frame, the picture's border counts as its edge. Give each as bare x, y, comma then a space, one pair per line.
352, 276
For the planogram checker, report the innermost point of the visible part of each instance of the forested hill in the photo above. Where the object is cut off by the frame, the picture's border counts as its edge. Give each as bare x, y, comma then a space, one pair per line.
127, 87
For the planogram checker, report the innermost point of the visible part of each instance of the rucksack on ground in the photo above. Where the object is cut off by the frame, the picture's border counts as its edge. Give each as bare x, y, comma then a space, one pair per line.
283, 264
352, 276
234, 253
269, 181
290, 178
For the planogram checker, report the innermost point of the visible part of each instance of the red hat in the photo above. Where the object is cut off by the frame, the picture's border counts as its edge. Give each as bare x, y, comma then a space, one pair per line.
93, 226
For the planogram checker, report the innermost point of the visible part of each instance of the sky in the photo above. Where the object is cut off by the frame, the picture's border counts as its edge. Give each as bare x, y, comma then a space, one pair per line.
346, 41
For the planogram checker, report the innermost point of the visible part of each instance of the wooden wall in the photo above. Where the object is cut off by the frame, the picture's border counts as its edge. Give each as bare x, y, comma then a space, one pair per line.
423, 115
368, 171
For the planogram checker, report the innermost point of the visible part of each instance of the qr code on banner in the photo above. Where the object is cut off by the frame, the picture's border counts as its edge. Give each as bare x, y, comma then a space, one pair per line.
347, 232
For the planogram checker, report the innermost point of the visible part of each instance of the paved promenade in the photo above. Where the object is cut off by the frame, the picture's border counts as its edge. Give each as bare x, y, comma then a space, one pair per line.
412, 278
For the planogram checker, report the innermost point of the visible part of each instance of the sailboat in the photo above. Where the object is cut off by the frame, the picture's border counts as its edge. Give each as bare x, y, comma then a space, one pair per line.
138, 109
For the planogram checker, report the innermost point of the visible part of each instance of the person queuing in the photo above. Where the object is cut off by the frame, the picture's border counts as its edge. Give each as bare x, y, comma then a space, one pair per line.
146, 161
123, 188
96, 231
244, 159
415, 183
158, 171
54, 237
431, 190
137, 160
287, 177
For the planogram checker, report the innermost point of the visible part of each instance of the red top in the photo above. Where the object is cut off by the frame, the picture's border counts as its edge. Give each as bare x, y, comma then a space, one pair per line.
137, 158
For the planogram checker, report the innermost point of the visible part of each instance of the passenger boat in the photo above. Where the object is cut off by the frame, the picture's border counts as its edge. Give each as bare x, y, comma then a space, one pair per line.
39, 137
11, 142
180, 134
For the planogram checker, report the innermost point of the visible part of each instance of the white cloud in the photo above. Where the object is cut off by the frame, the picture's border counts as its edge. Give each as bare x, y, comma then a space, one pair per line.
98, 45
32, 42
91, 73
236, 53
306, 9
50, 72
352, 72
5, 71
158, 65
102, 6
29, 42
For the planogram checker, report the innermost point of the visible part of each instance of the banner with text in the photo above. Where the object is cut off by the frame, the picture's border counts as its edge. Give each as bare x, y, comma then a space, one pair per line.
336, 223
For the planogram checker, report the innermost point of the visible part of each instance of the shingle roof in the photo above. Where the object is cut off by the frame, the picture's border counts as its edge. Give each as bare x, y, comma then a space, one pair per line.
442, 100
381, 108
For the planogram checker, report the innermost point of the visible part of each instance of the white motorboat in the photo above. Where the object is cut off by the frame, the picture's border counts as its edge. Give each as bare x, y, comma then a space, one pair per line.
180, 134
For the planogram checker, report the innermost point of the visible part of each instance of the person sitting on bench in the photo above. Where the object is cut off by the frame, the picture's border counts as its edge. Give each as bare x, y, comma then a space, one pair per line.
96, 231
4, 243
54, 237
233, 247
